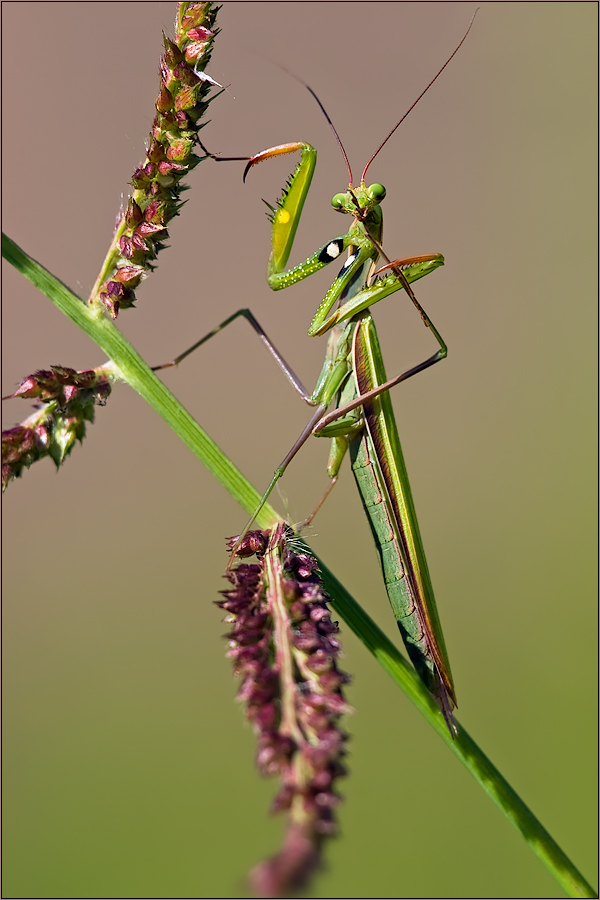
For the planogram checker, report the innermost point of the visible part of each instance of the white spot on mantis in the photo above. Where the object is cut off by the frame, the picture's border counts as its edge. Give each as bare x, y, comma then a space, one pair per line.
349, 261
332, 250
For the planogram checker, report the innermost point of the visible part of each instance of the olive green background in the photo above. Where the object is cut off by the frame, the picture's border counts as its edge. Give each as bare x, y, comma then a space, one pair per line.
128, 765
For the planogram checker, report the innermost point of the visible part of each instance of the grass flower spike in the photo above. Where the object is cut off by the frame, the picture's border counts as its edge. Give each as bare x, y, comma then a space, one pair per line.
67, 400
284, 648
182, 99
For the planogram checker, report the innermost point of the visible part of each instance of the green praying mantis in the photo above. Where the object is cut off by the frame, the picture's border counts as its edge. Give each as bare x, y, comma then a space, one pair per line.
353, 376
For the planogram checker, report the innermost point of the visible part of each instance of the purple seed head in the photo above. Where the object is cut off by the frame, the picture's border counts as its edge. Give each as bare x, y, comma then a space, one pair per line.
283, 645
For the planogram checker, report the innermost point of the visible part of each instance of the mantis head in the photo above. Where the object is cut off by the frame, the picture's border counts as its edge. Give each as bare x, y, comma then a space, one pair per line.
359, 201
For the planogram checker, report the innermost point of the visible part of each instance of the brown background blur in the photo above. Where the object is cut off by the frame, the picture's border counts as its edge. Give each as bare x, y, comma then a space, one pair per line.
128, 767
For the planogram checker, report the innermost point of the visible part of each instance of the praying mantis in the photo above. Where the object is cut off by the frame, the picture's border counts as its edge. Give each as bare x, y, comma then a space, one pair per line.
353, 375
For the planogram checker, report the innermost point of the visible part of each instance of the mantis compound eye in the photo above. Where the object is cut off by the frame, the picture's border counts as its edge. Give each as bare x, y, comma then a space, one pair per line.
376, 192
338, 201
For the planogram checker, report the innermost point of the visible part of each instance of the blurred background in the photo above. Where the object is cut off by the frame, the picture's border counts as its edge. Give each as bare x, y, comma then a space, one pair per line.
128, 765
